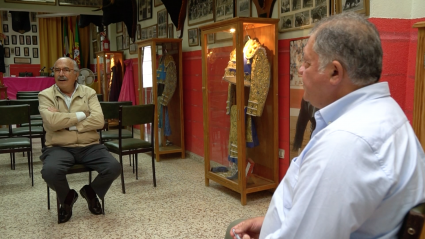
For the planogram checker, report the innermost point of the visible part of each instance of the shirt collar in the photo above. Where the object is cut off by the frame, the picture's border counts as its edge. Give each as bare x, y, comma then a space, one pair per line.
76, 87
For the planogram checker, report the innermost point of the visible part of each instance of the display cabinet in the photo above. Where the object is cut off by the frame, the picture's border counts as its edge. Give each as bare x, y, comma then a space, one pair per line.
160, 83
419, 106
240, 85
105, 60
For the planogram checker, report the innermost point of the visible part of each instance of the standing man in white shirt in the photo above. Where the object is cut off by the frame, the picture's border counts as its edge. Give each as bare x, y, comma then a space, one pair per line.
363, 168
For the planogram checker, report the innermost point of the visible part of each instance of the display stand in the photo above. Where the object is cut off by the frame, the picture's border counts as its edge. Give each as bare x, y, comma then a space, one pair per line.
160, 83
231, 88
105, 61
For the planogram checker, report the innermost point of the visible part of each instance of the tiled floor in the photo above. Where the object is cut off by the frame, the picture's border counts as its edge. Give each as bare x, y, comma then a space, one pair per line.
181, 206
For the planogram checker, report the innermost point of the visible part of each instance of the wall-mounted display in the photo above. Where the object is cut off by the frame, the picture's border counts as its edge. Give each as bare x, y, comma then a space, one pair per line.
35, 52
28, 40
21, 40
151, 32
200, 11
158, 3
4, 16
26, 51
34, 40
133, 48
78, 3
7, 52
33, 16
45, 2
223, 9
93, 31
144, 33
119, 42
119, 26
301, 14
5, 28
95, 48
14, 40
34, 28
139, 32
170, 29
125, 38
211, 38
144, 9
105, 62
17, 51
193, 36
6, 40
162, 23
243, 8
359, 6
22, 60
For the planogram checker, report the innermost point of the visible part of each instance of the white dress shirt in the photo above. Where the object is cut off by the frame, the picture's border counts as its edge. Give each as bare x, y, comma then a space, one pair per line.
80, 115
360, 173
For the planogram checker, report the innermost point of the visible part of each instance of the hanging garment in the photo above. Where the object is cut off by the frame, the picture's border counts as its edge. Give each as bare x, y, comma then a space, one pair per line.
167, 74
21, 21
128, 92
164, 122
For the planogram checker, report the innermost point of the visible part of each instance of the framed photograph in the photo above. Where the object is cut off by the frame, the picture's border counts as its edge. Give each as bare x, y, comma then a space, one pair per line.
151, 32
139, 32
144, 9
33, 16
34, 28
170, 29
21, 40
7, 52
4, 16
5, 28
34, 40
223, 36
28, 40
22, 60
133, 48
144, 33
359, 6
243, 8
223, 9
78, 3
6, 40
119, 43
193, 36
95, 48
200, 11
35, 52
44, 2
125, 39
93, 31
17, 51
211, 38
118, 26
302, 14
158, 3
162, 23
14, 40
26, 51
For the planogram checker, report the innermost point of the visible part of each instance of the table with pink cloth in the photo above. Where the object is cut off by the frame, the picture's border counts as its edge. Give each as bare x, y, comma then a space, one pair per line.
15, 84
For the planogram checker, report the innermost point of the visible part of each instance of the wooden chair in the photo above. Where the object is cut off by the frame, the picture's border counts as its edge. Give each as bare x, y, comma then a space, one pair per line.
129, 116
77, 168
413, 224
17, 114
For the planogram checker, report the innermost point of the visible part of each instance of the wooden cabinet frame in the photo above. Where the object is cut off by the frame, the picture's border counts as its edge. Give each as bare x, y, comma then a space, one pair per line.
103, 80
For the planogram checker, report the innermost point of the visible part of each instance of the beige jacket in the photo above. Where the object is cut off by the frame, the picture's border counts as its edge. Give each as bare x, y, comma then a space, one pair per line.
56, 124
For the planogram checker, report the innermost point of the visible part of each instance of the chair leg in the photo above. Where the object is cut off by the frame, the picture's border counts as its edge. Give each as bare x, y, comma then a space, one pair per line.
57, 206
48, 198
133, 161
122, 175
89, 177
32, 168
103, 206
129, 158
137, 159
13, 161
153, 169
29, 167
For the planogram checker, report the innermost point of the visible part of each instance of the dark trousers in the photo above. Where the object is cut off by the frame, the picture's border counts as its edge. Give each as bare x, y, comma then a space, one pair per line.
57, 161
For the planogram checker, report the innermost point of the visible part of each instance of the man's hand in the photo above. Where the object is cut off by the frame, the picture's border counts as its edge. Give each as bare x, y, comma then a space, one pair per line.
87, 113
249, 228
52, 109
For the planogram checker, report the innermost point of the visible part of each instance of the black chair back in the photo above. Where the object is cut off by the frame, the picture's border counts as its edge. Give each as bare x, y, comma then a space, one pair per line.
33, 103
100, 97
4, 102
14, 114
27, 97
111, 109
28, 92
137, 114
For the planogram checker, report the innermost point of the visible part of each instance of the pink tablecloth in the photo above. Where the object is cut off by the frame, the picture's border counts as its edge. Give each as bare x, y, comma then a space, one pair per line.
15, 84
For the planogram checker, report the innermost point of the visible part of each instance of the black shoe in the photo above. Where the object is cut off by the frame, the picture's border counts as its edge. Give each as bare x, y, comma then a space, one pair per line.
88, 193
65, 211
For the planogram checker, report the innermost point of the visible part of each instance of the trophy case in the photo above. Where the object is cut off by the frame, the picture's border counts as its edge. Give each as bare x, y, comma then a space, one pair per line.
160, 83
240, 86
105, 60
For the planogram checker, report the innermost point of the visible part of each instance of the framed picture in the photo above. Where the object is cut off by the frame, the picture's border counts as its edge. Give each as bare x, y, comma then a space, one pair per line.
95, 48
158, 3
35, 52
78, 3
6, 40
93, 31
223, 9
301, 14
5, 28
34, 40
17, 51
133, 48
119, 26
14, 40
33, 16
139, 32
4, 16
162, 23
28, 40
223, 36
21, 40
125, 39
210, 38
22, 60
26, 51
34, 28
119, 43
7, 52
45, 2
170, 29
359, 6
144, 33
151, 31
144, 10
243, 8
193, 36
200, 12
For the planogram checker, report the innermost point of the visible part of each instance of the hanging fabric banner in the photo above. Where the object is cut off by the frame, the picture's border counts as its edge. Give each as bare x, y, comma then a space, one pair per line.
77, 46
65, 37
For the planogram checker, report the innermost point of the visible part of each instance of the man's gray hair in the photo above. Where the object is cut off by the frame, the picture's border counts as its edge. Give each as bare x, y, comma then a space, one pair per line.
76, 69
354, 42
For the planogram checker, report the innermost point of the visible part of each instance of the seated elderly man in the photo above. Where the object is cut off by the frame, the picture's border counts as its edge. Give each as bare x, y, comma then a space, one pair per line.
71, 115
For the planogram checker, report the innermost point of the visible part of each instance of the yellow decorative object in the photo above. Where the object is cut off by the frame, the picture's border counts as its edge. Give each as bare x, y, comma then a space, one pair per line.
170, 80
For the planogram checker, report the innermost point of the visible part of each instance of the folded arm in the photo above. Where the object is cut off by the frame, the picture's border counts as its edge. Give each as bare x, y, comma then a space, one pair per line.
95, 119
54, 120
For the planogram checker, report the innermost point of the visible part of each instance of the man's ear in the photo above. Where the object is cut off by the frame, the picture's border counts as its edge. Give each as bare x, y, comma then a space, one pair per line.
337, 73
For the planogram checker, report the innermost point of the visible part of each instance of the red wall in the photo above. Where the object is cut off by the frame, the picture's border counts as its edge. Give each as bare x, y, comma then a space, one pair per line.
34, 68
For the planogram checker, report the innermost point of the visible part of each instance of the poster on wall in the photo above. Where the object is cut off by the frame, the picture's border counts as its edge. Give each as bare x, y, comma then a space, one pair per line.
144, 10
200, 11
359, 6
223, 9
301, 14
243, 8
162, 23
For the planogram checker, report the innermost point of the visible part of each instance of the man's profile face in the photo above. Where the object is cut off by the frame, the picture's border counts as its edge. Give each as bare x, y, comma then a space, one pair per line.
65, 76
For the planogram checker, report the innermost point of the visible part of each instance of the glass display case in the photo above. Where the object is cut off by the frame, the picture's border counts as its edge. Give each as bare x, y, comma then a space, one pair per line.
240, 85
106, 60
160, 83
